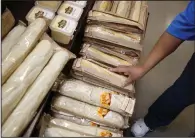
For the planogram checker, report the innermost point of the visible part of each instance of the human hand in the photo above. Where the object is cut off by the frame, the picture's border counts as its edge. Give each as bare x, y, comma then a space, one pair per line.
133, 72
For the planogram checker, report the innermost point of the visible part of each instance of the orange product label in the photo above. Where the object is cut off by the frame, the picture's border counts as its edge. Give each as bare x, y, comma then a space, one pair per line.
102, 112
105, 99
105, 134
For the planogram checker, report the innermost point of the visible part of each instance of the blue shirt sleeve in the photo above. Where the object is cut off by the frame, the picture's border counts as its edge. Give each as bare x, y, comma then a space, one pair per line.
183, 26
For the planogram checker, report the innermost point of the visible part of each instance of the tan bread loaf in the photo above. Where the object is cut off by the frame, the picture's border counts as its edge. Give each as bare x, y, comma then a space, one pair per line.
86, 130
16, 86
11, 39
59, 132
98, 96
101, 73
123, 8
22, 48
91, 112
92, 52
23, 114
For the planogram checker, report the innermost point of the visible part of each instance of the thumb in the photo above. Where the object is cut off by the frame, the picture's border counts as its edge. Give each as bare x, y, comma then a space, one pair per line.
128, 81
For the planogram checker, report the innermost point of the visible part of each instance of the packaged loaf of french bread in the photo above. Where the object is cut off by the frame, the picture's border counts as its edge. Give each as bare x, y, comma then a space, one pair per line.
18, 83
102, 73
130, 14
11, 39
23, 47
95, 95
97, 82
116, 26
123, 8
102, 5
56, 46
88, 130
130, 40
59, 132
88, 111
123, 52
23, 114
107, 57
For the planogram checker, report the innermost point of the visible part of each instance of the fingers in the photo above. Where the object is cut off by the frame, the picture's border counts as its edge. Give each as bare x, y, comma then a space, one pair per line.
120, 69
128, 81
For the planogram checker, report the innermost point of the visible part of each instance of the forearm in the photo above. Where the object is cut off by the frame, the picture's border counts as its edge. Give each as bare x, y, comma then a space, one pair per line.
164, 47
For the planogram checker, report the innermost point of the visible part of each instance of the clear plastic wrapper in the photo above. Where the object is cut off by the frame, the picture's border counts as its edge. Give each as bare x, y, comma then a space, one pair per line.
16, 86
94, 113
123, 8
83, 121
70, 11
11, 39
127, 40
86, 130
23, 114
116, 27
38, 12
56, 46
51, 5
122, 52
100, 72
113, 18
98, 96
109, 58
135, 10
22, 48
62, 29
102, 5
59, 132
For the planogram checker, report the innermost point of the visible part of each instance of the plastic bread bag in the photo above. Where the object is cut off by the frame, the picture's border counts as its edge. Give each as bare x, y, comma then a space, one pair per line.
126, 40
8, 21
123, 52
116, 27
16, 86
83, 121
91, 112
56, 46
59, 132
92, 52
114, 6
51, 5
102, 5
123, 8
86, 130
11, 39
22, 48
135, 11
47, 130
101, 73
94, 81
23, 114
98, 96
113, 18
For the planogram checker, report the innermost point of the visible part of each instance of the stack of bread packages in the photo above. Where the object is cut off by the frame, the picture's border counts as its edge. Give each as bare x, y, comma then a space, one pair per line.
93, 101
30, 66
